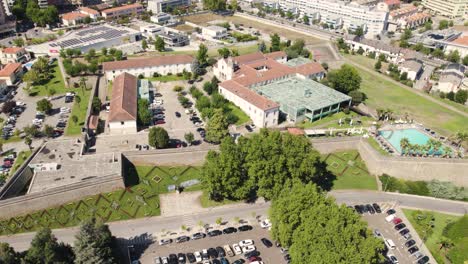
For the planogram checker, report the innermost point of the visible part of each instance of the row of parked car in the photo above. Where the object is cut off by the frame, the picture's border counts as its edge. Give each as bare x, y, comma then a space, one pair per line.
7, 164
10, 123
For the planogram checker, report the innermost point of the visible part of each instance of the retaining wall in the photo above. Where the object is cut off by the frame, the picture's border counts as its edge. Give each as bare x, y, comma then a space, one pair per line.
409, 168
170, 157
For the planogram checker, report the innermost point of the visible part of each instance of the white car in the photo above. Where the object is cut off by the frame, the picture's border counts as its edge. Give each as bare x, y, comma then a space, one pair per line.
245, 243
249, 248
19, 103
265, 223
197, 255
257, 262
237, 249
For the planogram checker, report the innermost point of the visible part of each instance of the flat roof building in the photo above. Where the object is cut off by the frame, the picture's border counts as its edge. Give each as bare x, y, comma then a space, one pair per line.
126, 10
159, 6
448, 8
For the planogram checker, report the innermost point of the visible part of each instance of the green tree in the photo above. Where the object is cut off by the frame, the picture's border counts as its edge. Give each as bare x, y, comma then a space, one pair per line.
465, 60
202, 55
262, 47
159, 44
96, 105
461, 96
357, 97
224, 52
453, 56
344, 80
28, 142
275, 42
77, 100
359, 32
443, 24
208, 87
8, 255
44, 106
45, 249
19, 42
158, 137
378, 65
31, 77
217, 127
144, 44
74, 119
94, 244
48, 130
306, 20
310, 223
144, 114
189, 137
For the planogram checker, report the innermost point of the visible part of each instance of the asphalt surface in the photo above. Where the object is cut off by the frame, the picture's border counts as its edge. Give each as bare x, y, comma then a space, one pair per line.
133, 229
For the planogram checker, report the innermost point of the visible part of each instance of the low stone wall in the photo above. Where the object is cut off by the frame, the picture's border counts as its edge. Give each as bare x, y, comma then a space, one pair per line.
194, 156
54, 197
408, 168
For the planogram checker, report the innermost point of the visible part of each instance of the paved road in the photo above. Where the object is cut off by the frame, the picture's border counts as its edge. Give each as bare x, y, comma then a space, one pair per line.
153, 225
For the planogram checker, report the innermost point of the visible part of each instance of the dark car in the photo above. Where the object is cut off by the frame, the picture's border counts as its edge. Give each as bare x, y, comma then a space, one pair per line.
404, 231
370, 209
423, 260
391, 211
413, 249
224, 261
239, 261
364, 209
254, 258
191, 258
245, 228
215, 261
410, 243
251, 254
229, 230
248, 128
182, 239
358, 209
181, 257
198, 236
221, 252
213, 253
267, 243
400, 226
173, 259
214, 233
287, 257
177, 114
377, 208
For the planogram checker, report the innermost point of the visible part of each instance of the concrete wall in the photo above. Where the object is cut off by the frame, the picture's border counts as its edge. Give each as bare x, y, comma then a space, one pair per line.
194, 156
409, 168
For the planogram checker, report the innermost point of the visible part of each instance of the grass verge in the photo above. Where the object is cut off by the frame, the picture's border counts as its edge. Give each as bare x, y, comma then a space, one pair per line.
56, 83
166, 78
242, 117
207, 202
21, 157
79, 110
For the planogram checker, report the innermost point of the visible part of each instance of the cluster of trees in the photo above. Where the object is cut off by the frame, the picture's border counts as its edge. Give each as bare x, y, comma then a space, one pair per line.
241, 37
214, 4
29, 10
40, 72
44, 106
432, 147
346, 80
396, 75
75, 68
144, 113
317, 230
444, 24
93, 244
261, 165
293, 50
459, 97
158, 138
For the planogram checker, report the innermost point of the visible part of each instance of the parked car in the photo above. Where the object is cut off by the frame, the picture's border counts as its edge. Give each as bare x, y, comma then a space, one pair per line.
423, 260
214, 233
251, 254
249, 129
228, 250
165, 241
396, 221
404, 231
267, 242
245, 228
198, 236
182, 239
213, 253
400, 226
221, 252
198, 256
377, 208
177, 114
229, 230
391, 211
265, 223
358, 209
412, 250
181, 257
191, 258
410, 243
248, 248
237, 249
247, 242
393, 259
370, 209
377, 233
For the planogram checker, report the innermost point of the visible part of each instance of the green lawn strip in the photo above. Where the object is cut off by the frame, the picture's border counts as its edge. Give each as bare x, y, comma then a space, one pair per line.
21, 157
207, 202
241, 49
440, 222
242, 117
356, 175
80, 111
134, 202
332, 121
382, 93
56, 83
12, 139
109, 91
375, 145
166, 78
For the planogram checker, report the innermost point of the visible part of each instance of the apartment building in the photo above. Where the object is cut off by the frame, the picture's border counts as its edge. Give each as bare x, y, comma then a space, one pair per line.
159, 6
340, 14
126, 10
448, 8
14, 54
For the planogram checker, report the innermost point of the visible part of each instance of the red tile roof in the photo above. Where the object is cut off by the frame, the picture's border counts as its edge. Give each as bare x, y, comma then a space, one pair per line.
461, 41
242, 59
275, 55
295, 131
12, 50
73, 16
123, 105
310, 68
10, 69
392, 2
89, 10
121, 8
147, 62
93, 122
248, 95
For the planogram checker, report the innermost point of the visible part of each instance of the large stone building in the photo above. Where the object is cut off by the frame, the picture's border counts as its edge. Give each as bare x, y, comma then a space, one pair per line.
147, 67
341, 14
448, 8
158, 6
123, 105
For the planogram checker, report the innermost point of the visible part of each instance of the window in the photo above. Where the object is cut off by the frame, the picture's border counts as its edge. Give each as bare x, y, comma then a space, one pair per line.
122, 123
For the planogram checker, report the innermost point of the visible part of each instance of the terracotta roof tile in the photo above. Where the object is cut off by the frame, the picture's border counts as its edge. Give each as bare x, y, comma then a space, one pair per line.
275, 55
242, 59
310, 68
73, 16
147, 62
121, 8
9, 69
12, 50
248, 95
461, 41
89, 10
123, 105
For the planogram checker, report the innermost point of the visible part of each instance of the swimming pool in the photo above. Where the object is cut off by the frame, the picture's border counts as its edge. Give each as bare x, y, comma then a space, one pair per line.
414, 136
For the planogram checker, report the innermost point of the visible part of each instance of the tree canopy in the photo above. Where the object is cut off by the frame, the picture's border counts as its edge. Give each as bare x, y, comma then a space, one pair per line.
159, 44
158, 137
317, 230
93, 244
217, 127
45, 249
214, 4
344, 80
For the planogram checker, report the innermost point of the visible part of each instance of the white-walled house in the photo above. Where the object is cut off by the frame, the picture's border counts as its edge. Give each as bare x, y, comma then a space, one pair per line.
412, 67
392, 54
123, 105
162, 65
214, 32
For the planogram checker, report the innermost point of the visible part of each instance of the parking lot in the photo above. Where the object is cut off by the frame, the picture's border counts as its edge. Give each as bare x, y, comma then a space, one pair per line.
269, 255
377, 221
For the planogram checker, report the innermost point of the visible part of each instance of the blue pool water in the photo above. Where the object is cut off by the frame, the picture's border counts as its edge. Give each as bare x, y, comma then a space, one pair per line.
413, 135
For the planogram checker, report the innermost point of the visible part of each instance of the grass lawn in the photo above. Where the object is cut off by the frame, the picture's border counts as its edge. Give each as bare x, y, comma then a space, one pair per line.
21, 157
331, 121
166, 78
350, 171
382, 93
55, 83
109, 91
243, 117
139, 200
206, 202
375, 145
80, 111
212, 52
432, 242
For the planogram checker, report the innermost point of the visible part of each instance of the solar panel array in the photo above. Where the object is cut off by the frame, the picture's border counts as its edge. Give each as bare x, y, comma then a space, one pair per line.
94, 34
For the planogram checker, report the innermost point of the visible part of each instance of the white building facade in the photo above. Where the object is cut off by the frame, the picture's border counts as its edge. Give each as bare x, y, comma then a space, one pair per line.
159, 6
214, 32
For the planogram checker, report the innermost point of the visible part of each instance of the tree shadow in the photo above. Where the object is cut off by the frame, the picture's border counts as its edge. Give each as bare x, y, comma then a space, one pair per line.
323, 177
132, 248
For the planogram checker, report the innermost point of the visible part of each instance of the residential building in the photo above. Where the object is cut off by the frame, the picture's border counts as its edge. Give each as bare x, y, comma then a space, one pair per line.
341, 14
415, 20
11, 73
93, 14
122, 117
4, 91
214, 32
370, 45
407, 17
413, 68
263, 85
144, 87
14, 54
126, 10
159, 6
171, 37
161, 18
451, 78
6, 23
73, 18
448, 8
392, 4
460, 44
95, 37
147, 67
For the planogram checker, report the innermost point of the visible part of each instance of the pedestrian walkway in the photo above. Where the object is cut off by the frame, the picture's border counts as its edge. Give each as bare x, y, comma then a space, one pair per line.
184, 203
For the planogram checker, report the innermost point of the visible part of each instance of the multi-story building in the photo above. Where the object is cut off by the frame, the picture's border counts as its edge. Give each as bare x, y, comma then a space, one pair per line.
172, 37
6, 25
11, 73
158, 6
14, 54
126, 10
448, 8
340, 14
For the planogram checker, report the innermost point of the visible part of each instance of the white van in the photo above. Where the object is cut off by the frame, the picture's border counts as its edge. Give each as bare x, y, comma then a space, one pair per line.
390, 244
390, 218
